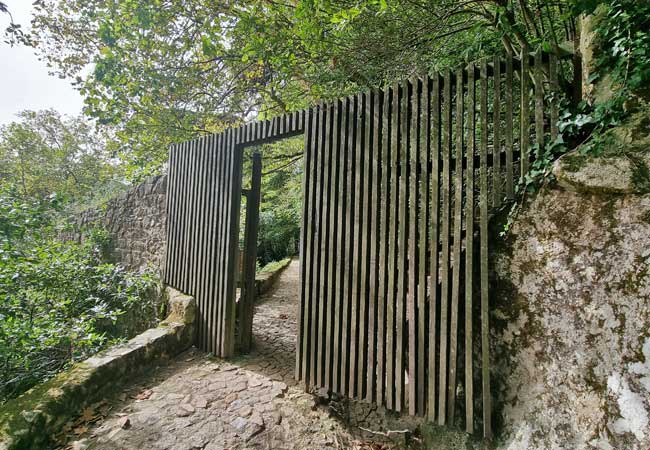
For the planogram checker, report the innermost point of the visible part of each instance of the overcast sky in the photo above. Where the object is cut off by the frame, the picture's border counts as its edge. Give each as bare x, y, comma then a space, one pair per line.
24, 80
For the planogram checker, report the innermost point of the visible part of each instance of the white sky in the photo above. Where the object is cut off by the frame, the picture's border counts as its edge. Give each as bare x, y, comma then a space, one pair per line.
24, 80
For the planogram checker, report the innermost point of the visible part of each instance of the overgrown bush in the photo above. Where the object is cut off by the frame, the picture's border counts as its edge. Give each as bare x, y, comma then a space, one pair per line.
59, 301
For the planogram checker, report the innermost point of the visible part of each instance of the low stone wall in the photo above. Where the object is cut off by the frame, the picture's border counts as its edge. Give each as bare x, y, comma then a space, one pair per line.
136, 223
264, 281
28, 421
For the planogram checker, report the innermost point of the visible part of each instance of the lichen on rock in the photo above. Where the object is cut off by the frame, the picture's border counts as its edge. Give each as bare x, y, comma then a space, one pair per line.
572, 323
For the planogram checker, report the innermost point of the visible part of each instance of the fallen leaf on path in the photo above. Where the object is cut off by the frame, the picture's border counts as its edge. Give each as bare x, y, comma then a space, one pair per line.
124, 422
144, 395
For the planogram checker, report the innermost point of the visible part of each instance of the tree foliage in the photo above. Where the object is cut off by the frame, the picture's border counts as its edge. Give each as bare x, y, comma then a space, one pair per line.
166, 70
45, 153
58, 300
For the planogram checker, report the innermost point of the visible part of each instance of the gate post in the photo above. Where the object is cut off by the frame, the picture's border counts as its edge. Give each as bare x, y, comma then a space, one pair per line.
250, 255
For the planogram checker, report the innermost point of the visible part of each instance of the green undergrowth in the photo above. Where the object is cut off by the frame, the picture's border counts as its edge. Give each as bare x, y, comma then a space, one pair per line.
60, 300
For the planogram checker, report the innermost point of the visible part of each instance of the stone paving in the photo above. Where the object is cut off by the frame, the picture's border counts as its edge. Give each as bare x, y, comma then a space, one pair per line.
251, 402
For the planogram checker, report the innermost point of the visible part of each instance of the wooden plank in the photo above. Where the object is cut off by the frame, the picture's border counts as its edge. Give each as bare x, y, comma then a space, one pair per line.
218, 242
392, 250
348, 225
171, 212
315, 366
172, 215
356, 237
197, 226
223, 156
496, 130
340, 348
337, 229
469, 251
384, 171
444, 263
375, 189
457, 255
510, 191
215, 216
247, 300
364, 237
325, 347
233, 253
539, 101
423, 202
217, 338
309, 342
412, 271
402, 282
524, 137
485, 345
433, 245
305, 256
555, 92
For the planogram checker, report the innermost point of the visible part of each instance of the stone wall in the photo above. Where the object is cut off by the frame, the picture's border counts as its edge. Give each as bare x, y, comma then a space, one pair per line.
136, 223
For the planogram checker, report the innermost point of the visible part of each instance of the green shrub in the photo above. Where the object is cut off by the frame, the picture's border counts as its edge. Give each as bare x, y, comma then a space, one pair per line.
58, 300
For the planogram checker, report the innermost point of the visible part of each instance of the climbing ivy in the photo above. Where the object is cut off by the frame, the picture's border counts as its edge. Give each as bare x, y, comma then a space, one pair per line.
623, 43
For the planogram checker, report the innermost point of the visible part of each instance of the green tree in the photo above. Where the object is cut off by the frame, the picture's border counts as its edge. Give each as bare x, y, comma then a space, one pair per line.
46, 153
163, 71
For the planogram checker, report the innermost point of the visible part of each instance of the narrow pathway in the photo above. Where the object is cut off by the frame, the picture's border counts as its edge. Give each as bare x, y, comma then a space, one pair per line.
252, 402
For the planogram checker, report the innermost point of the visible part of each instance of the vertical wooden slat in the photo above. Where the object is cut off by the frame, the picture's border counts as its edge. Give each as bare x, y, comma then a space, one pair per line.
171, 213
485, 349
365, 237
197, 225
496, 130
402, 281
412, 271
510, 191
373, 293
336, 230
214, 292
315, 363
423, 201
346, 335
524, 136
340, 347
469, 251
357, 238
539, 101
305, 255
433, 245
457, 241
309, 344
392, 250
325, 347
233, 253
226, 155
384, 168
215, 221
444, 263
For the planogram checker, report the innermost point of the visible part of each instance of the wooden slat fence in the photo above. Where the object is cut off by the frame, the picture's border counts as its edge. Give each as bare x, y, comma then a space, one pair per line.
399, 187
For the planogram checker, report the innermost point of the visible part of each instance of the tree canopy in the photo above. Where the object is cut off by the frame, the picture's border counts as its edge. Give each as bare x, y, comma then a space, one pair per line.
163, 70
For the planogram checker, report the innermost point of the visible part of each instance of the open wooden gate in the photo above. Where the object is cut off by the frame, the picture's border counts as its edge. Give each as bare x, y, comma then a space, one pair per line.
204, 194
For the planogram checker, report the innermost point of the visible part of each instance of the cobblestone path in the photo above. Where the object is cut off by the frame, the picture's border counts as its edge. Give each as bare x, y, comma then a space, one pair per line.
252, 402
